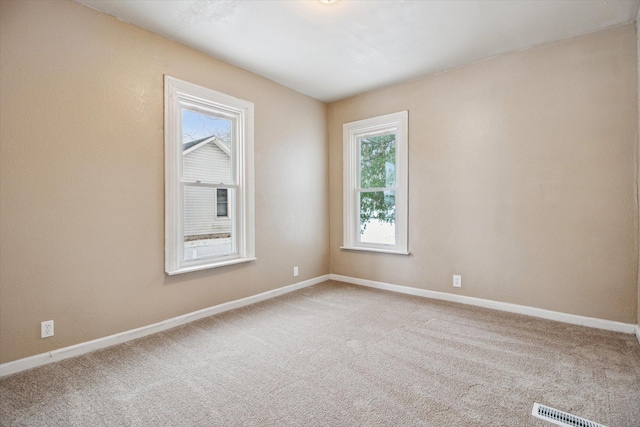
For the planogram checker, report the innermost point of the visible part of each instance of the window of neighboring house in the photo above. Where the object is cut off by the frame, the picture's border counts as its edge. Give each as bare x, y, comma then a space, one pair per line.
375, 184
221, 202
209, 219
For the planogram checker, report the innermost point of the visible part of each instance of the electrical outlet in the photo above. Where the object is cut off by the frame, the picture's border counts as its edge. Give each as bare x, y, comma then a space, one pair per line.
46, 329
457, 281
295, 271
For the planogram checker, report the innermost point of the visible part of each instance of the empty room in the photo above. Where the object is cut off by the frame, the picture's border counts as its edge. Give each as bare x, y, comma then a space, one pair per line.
319, 212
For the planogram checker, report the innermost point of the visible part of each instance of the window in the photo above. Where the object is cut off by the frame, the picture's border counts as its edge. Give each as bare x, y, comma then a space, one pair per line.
221, 202
209, 219
375, 184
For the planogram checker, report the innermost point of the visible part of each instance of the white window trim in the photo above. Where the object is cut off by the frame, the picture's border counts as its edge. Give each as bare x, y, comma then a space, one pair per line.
398, 123
178, 93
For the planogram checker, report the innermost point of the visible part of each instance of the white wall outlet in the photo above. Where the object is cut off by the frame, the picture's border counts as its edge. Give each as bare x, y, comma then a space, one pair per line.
46, 329
295, 271
457, 281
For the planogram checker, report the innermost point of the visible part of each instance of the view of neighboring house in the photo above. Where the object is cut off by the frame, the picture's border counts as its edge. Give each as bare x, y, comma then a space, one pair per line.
205, 209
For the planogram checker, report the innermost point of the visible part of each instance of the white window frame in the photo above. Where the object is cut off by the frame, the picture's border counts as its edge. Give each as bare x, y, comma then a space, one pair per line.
180, 94
352, 133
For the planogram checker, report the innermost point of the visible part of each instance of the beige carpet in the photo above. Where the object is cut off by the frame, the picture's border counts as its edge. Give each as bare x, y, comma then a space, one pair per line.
337, 354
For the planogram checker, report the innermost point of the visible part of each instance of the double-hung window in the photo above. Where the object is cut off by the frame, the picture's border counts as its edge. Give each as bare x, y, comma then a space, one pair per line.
375, 184
209, 219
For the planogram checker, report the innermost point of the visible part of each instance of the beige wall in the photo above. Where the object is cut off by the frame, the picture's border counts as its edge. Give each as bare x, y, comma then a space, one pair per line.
638, 149
81, 196
521, 178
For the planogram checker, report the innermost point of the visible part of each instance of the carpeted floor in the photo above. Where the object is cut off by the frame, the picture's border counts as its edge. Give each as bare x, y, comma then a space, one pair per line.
342, 355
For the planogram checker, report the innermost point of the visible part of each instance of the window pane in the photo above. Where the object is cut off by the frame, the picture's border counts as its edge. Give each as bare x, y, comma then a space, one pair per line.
206, 235
378, 217
206, 148
378, 161
221, 202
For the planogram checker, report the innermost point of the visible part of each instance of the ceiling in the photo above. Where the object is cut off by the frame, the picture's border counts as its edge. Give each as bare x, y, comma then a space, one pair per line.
333, 51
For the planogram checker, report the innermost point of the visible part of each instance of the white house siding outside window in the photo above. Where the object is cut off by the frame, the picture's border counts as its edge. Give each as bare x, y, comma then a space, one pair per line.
208, 178
208, 160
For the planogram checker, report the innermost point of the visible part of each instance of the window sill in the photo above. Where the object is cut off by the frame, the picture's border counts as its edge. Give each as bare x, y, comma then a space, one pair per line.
210, 265
384, 251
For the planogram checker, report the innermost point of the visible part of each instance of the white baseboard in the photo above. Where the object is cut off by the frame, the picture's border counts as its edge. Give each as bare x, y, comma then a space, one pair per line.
609, 325
86, 347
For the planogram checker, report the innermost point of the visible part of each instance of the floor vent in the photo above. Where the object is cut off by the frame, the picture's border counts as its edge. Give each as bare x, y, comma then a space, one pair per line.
561, 418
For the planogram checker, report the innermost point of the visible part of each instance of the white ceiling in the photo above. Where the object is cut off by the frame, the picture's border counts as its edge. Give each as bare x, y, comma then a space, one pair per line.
334, 51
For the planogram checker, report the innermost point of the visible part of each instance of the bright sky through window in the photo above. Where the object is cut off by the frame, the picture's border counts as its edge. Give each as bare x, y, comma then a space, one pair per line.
197, 126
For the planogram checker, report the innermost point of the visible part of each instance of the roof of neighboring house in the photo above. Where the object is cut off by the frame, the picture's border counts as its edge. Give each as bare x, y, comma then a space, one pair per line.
194, 145
190, 144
